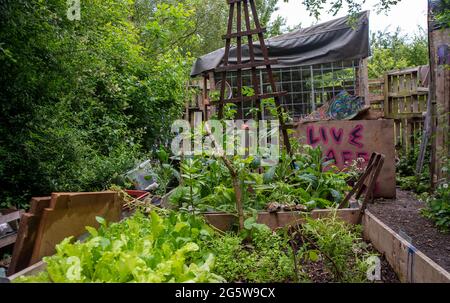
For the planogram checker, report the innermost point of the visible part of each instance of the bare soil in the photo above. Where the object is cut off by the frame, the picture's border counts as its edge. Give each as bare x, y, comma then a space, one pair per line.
403, 215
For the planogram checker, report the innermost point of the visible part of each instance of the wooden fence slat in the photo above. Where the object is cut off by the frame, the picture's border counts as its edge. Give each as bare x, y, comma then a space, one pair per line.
405, 101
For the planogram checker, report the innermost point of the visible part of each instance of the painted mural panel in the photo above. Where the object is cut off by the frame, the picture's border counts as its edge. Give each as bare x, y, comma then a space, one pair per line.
346, 141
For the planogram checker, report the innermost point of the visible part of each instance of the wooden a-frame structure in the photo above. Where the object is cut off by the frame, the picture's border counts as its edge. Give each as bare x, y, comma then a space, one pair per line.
243, 8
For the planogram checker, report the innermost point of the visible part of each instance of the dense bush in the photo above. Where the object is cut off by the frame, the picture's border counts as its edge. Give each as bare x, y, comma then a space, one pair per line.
81, 100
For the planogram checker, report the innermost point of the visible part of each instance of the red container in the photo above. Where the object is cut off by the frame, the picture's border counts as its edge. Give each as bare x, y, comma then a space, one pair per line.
138, 194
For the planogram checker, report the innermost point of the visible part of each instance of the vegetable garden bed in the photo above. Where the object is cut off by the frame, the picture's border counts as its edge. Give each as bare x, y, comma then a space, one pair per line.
410, 264
395, 249
204, 255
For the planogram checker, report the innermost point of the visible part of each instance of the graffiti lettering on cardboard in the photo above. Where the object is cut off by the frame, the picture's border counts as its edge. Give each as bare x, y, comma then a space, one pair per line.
331, 138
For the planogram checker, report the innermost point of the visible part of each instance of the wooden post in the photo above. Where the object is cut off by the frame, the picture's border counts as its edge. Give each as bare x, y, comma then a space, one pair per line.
386, 97
439, 40
442, 85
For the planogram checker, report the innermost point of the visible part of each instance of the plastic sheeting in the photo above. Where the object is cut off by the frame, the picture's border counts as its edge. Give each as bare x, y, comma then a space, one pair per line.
336, 40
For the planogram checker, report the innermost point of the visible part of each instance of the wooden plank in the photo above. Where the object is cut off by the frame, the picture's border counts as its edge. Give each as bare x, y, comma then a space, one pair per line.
402, 106
398, 127
395, 107
401, 83
29, 271
365, 80
411, 135
415, 104
251, 98
395, 84
405, 136
409, 116
244, 33
403, 71
26, 237
410, 264
226, 57
441, 71
406, 94
15, 215
245, 65
8, 240
225, 221
69, 214
387, 105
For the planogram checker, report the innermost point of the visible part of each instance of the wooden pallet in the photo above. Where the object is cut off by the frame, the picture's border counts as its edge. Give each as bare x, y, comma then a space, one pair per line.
10, 217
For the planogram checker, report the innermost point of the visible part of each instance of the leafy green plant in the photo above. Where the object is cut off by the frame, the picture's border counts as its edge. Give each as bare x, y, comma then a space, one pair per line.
406, 170
305, 178
265, 257
188, 193
342, 249
438, 204
143, 248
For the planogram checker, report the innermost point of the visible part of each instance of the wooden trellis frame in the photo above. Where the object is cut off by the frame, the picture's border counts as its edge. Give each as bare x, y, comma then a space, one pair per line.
244, 6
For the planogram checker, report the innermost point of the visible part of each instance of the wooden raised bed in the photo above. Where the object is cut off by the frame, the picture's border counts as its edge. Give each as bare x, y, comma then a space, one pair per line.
409, 264
225, 221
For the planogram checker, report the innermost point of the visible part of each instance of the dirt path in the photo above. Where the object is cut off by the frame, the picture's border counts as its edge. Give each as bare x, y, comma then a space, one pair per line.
403, 215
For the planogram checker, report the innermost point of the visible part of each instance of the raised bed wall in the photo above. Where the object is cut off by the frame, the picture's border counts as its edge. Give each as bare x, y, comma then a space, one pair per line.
411, 265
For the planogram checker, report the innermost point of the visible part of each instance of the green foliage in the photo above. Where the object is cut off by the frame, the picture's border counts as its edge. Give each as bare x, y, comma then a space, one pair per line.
406, 169
177, 247
307, 179
211, 17
438, 205
391, 51
316, 7
341, 243
444, 15
143, 248
267, 257
83, 99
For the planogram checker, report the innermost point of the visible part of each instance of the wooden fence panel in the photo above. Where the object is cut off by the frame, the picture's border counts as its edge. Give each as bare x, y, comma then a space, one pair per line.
402, 97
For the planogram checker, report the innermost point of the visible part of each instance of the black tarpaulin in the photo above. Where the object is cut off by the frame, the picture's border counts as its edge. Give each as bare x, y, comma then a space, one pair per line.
332, 41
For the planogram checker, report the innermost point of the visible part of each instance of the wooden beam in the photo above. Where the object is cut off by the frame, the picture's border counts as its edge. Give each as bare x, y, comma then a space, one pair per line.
245, 66
8, 240
15, 215
29, 271
364, 77
27, 233
250, 98
245, 33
